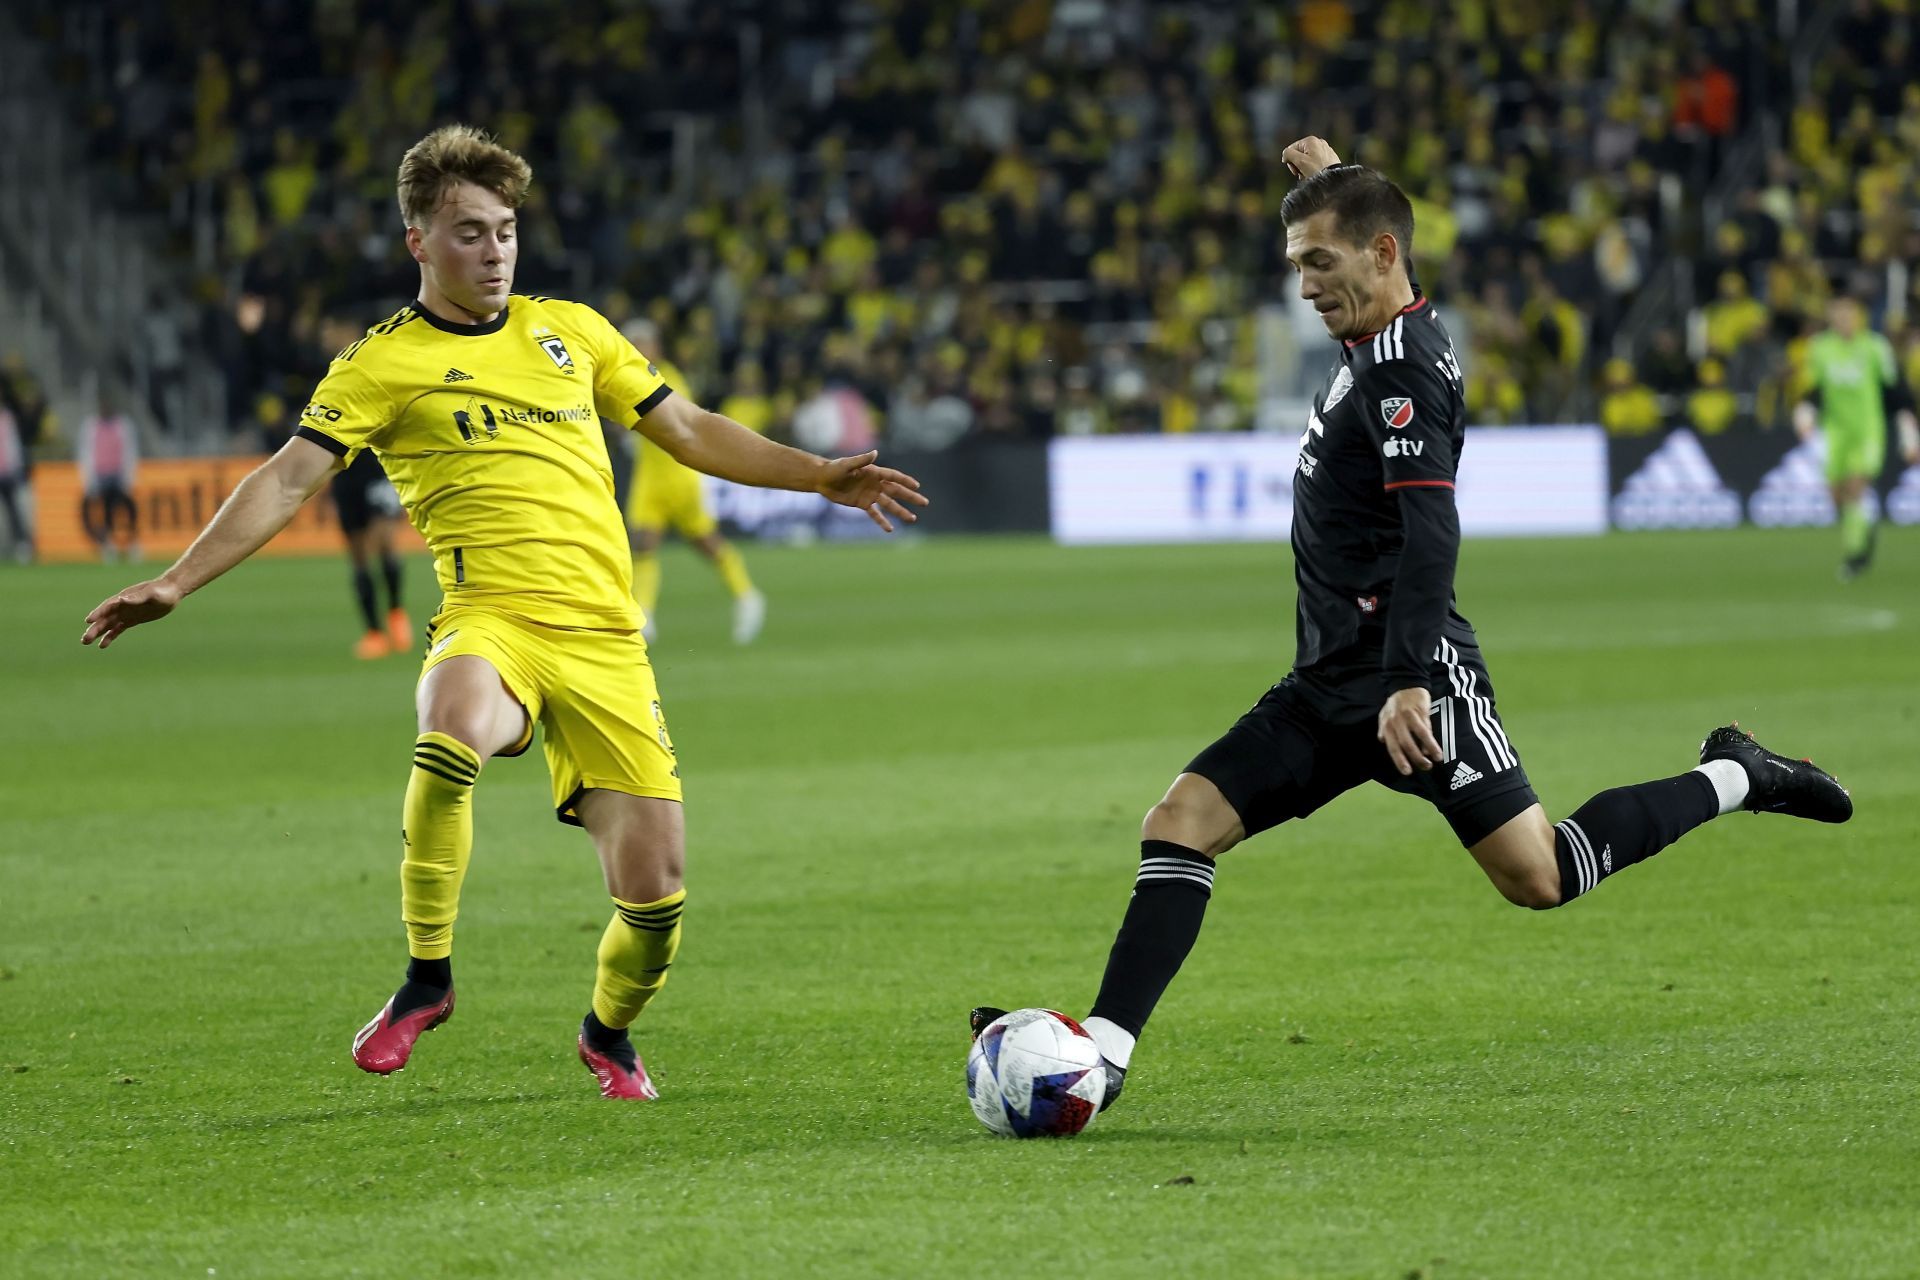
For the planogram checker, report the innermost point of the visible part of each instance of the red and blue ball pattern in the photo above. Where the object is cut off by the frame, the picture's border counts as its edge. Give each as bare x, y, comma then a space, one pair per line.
1035, 1073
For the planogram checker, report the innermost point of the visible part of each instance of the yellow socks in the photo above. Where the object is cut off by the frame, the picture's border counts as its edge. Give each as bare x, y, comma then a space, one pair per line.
646, 580
733, 570
635, 953
439, 840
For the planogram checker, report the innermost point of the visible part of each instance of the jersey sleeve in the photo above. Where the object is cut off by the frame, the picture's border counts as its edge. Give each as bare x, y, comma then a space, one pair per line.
626, 385
347, 408
1409, 411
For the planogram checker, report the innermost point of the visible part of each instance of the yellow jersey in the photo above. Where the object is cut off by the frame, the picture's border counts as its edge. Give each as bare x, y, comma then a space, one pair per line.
491, 435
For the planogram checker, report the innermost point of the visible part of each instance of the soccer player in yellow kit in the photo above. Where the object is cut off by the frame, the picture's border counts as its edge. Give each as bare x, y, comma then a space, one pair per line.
484, 407
666, 494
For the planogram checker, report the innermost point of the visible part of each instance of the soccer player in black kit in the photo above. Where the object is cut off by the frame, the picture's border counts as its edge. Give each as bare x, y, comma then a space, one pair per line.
1388, 684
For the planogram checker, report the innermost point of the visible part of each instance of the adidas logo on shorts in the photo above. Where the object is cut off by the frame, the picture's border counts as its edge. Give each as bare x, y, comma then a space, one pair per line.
1463, 774
454, 375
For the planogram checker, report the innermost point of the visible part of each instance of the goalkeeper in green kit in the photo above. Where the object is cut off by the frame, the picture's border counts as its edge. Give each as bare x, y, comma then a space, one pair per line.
1855, 382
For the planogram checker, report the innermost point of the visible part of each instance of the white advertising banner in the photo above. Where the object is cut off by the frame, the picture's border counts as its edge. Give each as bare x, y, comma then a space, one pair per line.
1226, 488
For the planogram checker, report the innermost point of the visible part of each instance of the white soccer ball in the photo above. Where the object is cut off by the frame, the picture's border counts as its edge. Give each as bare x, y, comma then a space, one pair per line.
1035, 1073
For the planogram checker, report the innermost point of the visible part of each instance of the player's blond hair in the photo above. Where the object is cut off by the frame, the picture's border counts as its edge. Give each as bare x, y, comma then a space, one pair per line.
458, 153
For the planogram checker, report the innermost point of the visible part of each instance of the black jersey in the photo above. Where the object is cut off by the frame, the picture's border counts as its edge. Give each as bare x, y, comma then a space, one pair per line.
1375, 530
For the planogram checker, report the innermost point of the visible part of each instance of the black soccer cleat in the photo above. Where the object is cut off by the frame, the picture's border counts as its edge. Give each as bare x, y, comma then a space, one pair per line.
1116, 1080
1776, 784
978, 1019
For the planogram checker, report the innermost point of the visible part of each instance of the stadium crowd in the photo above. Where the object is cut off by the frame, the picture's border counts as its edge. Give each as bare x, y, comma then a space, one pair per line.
1836, 208
1014, 217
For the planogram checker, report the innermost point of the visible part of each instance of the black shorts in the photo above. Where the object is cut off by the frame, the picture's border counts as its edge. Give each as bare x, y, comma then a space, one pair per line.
1284, 758
362, 494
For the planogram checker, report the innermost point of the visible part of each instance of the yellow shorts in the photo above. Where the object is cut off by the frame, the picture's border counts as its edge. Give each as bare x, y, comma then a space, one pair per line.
591, 691
668, 495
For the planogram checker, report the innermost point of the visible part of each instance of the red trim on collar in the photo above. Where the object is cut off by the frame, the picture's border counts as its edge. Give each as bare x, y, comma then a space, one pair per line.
1407, 310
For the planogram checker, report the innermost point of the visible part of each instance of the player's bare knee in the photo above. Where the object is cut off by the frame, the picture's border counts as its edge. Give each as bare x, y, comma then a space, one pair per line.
472, 731
1179, 819
646, 871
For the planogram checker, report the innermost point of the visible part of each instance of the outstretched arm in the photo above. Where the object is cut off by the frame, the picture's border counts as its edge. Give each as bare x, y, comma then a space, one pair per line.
260, 507
722, 447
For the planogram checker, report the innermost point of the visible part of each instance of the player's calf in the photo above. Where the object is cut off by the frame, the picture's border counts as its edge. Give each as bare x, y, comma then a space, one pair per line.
1194, 815
1627, 825
1519, 860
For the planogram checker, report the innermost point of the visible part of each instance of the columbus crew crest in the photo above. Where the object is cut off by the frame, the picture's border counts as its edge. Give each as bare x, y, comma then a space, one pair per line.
1396, 411
557, 351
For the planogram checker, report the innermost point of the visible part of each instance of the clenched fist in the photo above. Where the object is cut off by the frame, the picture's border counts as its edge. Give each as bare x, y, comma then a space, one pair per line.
1308, 157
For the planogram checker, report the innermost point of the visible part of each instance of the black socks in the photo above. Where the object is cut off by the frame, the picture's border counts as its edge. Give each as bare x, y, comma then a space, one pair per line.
1163, 918
427, 983
1626, 825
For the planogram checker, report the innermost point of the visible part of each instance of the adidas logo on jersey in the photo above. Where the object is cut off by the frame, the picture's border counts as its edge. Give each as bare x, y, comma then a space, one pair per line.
1463, 774
454, 375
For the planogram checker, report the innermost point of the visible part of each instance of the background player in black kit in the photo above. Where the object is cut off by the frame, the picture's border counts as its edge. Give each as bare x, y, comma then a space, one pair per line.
370, 513
1388, 684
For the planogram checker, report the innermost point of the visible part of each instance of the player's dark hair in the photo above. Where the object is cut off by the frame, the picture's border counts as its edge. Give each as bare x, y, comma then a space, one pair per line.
458, 153
1364, 202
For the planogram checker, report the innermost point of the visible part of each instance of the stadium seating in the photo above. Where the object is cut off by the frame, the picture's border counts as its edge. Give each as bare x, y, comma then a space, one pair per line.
1012, 219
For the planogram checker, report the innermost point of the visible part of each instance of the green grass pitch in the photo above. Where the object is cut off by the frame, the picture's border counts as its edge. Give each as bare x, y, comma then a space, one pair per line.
919, 792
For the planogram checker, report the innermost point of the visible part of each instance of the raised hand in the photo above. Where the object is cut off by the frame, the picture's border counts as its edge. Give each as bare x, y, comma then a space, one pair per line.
856, 482
1308, 157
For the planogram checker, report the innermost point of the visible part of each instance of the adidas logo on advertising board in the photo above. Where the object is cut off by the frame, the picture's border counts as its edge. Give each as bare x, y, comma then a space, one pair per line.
1676, 488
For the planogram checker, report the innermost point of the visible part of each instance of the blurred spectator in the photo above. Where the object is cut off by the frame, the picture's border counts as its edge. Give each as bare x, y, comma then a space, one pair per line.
1628, 407
835, 421
1666, 368
1711, 407
747, 402
21, 394
930, 413
1734, 317
1706, 98
1081, 413
109, 459
14, 469
1494, 395
904, 181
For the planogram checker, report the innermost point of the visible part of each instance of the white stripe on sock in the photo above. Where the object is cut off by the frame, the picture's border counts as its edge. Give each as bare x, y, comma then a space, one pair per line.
1177, 864
1205, 882
1584, 849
